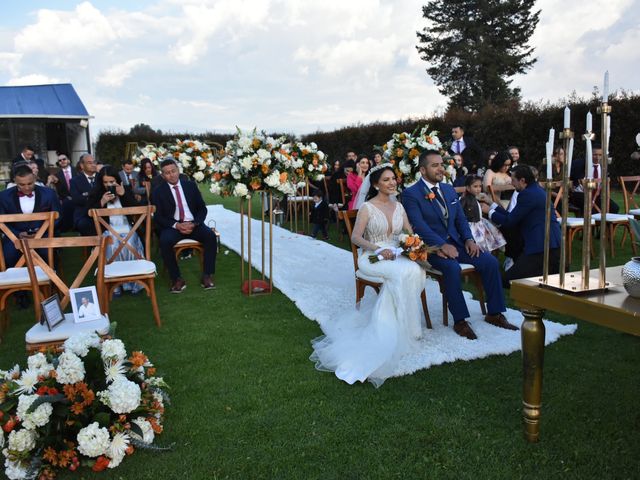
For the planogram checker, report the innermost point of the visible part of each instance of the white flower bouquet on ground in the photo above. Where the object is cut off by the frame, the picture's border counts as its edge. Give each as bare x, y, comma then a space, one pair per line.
90, 405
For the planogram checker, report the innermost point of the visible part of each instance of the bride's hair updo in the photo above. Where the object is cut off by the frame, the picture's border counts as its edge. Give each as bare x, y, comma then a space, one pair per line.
374, 177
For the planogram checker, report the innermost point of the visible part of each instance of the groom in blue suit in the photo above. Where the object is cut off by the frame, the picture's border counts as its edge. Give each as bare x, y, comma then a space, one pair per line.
436, 215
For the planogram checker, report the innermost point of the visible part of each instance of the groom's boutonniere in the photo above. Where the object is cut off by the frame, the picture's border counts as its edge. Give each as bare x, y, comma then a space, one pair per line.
429, 195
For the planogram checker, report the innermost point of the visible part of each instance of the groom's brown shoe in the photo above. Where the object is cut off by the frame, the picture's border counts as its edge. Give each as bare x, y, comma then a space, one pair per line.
464, 330
499, 320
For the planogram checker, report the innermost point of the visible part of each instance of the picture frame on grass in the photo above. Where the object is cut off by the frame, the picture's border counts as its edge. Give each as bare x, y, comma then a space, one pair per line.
52, 314
85, 304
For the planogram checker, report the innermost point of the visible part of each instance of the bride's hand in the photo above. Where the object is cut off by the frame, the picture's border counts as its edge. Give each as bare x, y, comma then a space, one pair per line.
388, 254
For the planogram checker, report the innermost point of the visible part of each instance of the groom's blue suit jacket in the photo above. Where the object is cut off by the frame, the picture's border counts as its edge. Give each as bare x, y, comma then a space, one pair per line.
427, 219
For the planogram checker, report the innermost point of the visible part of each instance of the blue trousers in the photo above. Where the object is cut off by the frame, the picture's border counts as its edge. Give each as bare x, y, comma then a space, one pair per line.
170, 236
489, 269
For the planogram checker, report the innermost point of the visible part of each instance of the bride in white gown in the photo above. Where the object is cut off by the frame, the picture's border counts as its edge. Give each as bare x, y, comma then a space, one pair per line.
368, 344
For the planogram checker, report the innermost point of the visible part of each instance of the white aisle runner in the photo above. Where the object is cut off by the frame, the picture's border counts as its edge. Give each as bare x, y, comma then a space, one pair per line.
318, 277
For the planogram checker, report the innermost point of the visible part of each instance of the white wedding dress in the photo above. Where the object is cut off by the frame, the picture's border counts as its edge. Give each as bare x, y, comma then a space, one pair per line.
369, 343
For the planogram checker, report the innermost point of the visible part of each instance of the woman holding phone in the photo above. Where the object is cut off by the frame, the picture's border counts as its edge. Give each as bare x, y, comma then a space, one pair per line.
110, 193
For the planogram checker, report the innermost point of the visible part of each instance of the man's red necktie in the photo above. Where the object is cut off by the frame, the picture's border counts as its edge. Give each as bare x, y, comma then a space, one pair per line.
595, 171
20, 194
180, 205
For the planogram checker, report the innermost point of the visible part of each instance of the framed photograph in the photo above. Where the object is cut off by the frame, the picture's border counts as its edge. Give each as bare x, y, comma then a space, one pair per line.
84, 303
51, 312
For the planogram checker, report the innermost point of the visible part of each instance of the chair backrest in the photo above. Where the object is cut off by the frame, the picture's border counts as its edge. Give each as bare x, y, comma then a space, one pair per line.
48, 225
558, 189
343, 190
29, 246
630, 187
349, 216
143, 216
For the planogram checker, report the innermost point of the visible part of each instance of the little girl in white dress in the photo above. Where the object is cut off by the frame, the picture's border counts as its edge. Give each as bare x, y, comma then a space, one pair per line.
485, 233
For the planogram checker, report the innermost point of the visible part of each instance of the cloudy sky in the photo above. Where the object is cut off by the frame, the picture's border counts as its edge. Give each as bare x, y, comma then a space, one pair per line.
283, 65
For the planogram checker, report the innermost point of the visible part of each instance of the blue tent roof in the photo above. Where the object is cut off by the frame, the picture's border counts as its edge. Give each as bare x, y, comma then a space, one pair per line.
41, 101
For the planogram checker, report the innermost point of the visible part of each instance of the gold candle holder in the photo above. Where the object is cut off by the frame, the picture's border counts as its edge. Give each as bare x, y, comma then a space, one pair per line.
604, 110
566, 135
547, 230
249, 286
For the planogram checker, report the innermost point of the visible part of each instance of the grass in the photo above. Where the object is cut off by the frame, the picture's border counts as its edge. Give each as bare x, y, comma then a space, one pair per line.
247, 403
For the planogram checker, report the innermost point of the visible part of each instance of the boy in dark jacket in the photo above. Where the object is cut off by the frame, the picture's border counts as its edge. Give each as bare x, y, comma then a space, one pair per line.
319, 216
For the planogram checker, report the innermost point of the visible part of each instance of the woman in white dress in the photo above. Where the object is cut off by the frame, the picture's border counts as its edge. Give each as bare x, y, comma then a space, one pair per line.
368, 344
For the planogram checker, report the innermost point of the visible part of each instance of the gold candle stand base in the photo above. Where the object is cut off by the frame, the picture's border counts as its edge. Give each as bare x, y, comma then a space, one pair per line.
574, 284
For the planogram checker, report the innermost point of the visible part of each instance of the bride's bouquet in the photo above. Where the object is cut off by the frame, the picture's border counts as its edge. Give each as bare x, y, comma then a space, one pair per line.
410, 246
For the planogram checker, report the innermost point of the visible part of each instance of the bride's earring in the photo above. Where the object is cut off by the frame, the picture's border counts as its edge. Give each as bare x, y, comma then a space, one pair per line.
377, 188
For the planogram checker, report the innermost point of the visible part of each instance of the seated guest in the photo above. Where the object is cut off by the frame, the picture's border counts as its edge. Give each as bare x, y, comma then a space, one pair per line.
557, 164
34, 168
528, 216
63, 186
319, 215
576, 197
127, 174
461, 171
498, 175
180, 214
334, 189
80, 186
354, 179
148, 180
377, 157
110, 192
25, 197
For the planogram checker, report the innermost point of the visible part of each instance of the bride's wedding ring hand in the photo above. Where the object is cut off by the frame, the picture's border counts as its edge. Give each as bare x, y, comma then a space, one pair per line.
388, 254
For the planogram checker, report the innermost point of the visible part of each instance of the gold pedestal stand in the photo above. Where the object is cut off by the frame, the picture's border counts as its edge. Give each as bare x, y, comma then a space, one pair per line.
249, 285
301, 196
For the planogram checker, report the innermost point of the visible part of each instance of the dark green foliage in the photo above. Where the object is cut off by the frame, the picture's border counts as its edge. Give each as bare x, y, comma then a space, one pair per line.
473, 48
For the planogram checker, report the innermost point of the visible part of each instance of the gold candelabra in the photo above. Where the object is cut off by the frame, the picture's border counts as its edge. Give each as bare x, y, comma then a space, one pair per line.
249, 286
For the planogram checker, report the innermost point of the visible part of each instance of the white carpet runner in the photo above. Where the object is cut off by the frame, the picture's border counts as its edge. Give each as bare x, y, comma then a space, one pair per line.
318, 277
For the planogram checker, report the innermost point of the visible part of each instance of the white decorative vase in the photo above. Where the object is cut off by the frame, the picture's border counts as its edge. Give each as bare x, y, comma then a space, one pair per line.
631, 277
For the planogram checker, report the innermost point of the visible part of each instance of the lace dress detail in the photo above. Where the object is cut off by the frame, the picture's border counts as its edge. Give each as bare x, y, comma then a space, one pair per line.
369, 343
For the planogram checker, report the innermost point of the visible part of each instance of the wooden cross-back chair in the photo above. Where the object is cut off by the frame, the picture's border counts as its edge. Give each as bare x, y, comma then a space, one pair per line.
363, 281
16, 278
613, 221
496, 190
38, 336
141, 270
575, 225
345, 196
630, 186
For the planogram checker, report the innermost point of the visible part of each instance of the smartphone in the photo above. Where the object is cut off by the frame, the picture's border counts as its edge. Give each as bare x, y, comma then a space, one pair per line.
111, 189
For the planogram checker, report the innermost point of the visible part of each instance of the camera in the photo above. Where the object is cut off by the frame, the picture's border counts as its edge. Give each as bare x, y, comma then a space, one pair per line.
112, 189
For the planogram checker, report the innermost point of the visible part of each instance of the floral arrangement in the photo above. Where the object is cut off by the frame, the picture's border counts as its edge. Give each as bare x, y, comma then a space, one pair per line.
410, 246
90, 405
403, 152
254, 162
153, 153
314, 164
194, 157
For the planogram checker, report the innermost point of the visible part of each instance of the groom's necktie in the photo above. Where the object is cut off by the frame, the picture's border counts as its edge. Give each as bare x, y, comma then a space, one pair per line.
440, 200
458, 147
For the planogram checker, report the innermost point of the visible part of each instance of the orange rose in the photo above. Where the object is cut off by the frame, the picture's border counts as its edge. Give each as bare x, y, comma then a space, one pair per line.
255, 184
217, 177
399, 152
413, 153
265, 168
413, 256
101, 464
409, 241
430, 196
255, 144
283, 177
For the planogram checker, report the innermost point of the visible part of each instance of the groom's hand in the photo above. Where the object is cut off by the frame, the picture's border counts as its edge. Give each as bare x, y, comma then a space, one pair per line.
472, 248
448, 251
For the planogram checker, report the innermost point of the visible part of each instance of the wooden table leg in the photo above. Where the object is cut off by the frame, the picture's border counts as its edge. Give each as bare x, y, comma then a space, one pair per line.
533, 358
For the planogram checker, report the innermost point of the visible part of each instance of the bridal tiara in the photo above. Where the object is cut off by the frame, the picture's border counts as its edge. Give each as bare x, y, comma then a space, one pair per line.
380, 167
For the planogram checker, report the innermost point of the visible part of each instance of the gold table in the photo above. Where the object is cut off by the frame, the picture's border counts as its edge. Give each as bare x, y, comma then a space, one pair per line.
613, 308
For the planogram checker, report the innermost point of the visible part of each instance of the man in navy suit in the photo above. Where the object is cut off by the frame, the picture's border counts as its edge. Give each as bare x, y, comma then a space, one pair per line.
437, 216
471, 153
25, 197
80, 186
180, 214
528, 217
63, 185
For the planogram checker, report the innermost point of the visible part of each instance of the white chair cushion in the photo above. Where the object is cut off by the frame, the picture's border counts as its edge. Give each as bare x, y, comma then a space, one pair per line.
41, 334
634, 211
188, 241
128, 268
577, 221
20, 275
464, 267
299, 198
369, 278
612, 217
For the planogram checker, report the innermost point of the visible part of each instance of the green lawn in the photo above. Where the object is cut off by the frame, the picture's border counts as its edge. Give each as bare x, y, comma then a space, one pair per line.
247, 403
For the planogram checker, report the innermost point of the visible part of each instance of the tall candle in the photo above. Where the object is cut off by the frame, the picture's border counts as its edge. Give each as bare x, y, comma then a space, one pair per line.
552, 134
567, 116
570, 155
549, 161
589, 121
589, 162
608, 135
605, 90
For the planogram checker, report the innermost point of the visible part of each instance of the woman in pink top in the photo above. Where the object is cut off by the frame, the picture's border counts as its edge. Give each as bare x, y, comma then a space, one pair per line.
354, 179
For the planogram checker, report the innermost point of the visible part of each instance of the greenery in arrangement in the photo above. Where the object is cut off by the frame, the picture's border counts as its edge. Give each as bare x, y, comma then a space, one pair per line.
473, 48
248, 404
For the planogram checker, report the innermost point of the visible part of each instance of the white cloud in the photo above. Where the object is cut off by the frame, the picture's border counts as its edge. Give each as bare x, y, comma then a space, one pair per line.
116, 75
10, 62
32, 79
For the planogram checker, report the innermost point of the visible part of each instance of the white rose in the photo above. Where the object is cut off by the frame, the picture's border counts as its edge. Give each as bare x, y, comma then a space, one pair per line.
80, 343
240, 190
198, 176
201, 164
246, 163
263, 154
215, 188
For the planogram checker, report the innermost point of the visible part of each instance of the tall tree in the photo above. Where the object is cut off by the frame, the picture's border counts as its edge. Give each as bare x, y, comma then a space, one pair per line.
474, 47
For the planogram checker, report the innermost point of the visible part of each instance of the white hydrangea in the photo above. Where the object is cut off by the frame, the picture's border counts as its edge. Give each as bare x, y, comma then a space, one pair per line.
118, 448
122, 396
39, 363
15, 470
215, 188
263, 154
186, 162
113, 349
38, 418
404, 167
70, 368
201, 164
246, 163
198, 176
93, 440
147, 431
244, 142
22, 440
80, 343
240, 190
273, 179
235, 172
